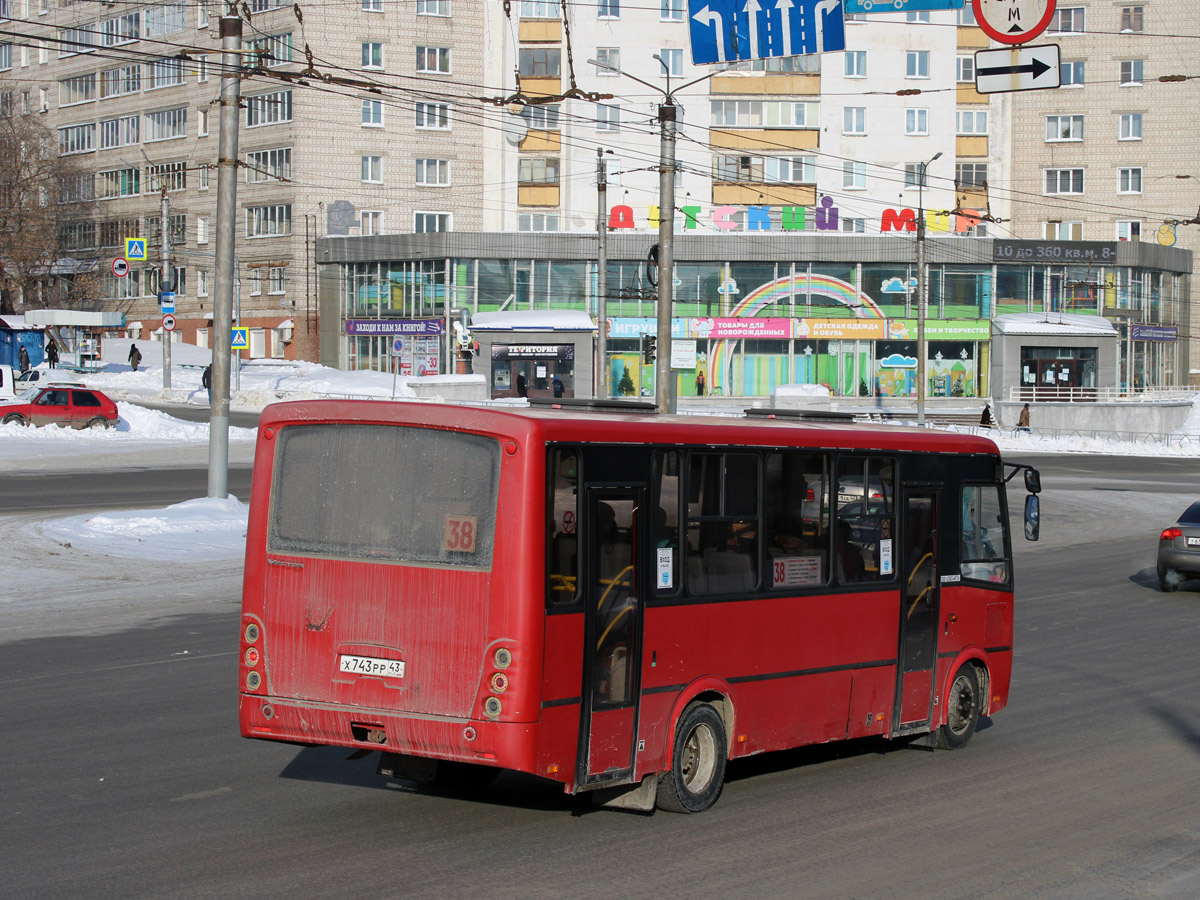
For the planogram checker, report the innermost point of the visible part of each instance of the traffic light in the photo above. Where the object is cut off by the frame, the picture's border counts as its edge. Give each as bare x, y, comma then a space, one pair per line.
648, 350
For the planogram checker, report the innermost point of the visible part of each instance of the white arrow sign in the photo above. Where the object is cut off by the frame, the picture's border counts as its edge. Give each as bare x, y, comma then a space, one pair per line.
752, 7
711, 18
785, 21
1017, 69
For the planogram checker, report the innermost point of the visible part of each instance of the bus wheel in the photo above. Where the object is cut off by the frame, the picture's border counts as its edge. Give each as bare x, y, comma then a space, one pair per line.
963, 705
698, 764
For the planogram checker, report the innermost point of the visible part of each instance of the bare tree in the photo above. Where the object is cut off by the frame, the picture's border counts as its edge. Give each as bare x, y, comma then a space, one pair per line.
47, 220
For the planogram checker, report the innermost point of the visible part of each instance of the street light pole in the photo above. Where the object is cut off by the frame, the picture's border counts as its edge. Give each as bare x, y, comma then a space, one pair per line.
601, 277
664, 384
922, 294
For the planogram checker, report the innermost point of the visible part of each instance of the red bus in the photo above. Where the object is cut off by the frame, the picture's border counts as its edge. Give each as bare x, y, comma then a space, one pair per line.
617, 599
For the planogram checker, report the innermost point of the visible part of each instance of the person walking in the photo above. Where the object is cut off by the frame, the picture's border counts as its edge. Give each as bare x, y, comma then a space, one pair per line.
206, 381
1023, 419
135, 356
700, 383
52, 354
522, 386
559, 387
23, 359
985, 420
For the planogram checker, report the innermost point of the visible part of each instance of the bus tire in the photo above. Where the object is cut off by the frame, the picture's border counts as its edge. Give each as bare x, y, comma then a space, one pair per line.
963, 706
697, 772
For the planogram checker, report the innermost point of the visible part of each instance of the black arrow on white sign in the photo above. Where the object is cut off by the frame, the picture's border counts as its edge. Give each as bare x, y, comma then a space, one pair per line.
1037, 68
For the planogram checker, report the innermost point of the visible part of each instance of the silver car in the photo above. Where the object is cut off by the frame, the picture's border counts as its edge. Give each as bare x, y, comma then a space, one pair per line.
1179, 550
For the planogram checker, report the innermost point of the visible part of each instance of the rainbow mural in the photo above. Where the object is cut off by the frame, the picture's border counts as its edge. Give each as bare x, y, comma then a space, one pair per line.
860, 305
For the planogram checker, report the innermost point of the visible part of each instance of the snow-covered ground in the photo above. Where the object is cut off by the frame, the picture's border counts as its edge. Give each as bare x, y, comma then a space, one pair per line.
81, 572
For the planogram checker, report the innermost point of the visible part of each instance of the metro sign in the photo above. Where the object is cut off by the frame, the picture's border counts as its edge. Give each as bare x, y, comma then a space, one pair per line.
733, 30
1013, 21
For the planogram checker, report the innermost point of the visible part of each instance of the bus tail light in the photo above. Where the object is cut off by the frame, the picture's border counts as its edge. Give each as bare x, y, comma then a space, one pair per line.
1169, 534
252, 656
491, 706
499, 683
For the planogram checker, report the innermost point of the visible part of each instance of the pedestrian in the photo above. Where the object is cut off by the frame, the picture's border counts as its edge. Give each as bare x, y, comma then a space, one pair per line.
700, 383
135, 356
522, 387
206, 381
52, 354
1023, 419
985, 420
559, 387
23, 359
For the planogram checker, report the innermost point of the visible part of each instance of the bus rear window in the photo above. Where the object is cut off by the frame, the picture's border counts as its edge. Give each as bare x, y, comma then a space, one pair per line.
385, 492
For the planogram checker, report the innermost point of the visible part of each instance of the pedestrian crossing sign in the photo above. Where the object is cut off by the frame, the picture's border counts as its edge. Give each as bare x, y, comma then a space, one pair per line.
240, 340
135, 249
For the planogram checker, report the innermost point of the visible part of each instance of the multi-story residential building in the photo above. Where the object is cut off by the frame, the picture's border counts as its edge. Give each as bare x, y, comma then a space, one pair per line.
1111, 156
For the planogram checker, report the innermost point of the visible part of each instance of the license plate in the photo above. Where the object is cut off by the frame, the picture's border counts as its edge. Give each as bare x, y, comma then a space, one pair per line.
1193, 542
370, 665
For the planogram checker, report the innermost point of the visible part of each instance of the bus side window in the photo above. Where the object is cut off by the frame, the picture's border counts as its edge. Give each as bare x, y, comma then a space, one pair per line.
723, 526
984, 535
796, 500
866, 520
665, 520
562, 563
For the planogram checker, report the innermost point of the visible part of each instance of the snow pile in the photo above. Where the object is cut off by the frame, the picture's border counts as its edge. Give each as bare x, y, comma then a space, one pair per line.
137, 422
209, 528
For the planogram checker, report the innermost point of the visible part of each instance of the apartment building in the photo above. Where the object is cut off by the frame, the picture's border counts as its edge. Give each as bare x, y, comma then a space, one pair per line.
349, 125
1112, 155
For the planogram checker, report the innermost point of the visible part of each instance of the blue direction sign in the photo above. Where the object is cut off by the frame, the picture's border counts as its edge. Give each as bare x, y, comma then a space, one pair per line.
166, 300
856, 7
731, 30
240, 339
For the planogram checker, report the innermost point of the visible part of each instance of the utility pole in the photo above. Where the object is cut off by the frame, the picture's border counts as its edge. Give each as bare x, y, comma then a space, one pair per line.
227, 158
602, 276
664, 383
166, 285
922, 291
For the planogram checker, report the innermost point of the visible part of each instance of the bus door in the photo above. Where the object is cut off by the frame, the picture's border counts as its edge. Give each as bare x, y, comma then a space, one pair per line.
918, 610
612, 633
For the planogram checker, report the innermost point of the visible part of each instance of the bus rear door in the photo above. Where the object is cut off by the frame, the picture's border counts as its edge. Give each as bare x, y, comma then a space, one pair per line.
918, 610
612, 634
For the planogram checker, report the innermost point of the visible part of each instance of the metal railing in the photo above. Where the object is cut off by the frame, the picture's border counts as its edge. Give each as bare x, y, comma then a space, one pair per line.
1142, 438
1051, 394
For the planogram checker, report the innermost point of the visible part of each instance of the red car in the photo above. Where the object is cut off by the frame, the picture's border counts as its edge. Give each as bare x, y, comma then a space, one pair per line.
61, 404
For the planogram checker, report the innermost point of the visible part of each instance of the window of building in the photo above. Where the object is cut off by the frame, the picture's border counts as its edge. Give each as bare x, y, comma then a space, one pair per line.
372, 169
1131, 18
966, 15
433, 172
202, 14
77, 188
1073, 72
1067, 20
269, 109
271, 51
80, 89
120, 81
372, 55
537, 222
1064, 128
920, 16
916, 63
269, 221
854, 120
608, 117
964, 69
172, 176
125, 182
854, 175
428, 222
809, 64
76, 139
121, 30
916, 121
765, 114
372, 6
268, 165
856, 64
609, 59
1064, 181
539, 9
76, 40
541, 117
255, 281
539, 62
1130, 127
372, 113
1129, 230
430, 116
970, 174
1131, 71
433, 8
672, 10
202, 229
202, 122
167, 19
1129, 180
608, 9
435, 60
276, 279
537, 171
971, 121
854, 225
672, 62
202, 282
161, 73
1062, 231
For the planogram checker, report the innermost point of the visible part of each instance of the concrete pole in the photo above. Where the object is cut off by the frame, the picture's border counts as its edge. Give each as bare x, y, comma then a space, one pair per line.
166, 280
922, 291
602, 390
664, 383
227, 159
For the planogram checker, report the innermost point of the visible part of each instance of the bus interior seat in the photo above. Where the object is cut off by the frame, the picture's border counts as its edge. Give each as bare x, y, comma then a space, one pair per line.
697, 580
729, 570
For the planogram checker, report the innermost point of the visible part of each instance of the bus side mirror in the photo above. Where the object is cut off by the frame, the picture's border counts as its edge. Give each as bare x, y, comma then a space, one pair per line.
1033, 481
1032, 526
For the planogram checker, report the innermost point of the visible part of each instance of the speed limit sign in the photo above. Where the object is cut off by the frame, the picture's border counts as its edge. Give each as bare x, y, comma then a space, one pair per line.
120, 267
168, 323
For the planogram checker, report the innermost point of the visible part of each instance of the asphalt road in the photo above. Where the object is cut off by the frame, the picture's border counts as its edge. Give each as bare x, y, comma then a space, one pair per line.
131, 488
122, 773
